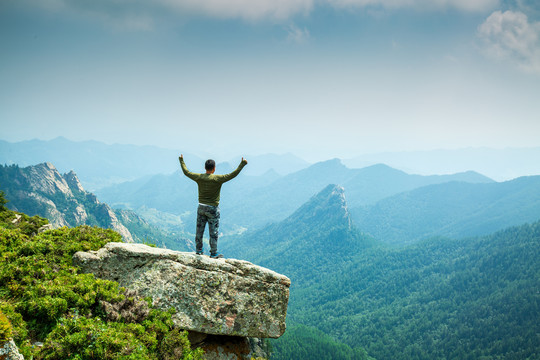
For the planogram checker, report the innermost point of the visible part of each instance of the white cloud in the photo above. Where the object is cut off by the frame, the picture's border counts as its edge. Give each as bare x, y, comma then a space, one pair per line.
463, 5
510, 36
244, 9
297, 35
250, 10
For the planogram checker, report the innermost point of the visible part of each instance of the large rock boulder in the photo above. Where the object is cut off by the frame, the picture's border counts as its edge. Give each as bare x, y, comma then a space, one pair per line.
211, 296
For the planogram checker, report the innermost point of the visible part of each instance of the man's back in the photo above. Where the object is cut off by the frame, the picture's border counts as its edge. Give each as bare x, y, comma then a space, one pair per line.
210, 184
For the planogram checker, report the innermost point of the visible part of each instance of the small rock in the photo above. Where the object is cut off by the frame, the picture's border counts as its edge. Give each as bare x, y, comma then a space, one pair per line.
45, 228
17, 219
10, 351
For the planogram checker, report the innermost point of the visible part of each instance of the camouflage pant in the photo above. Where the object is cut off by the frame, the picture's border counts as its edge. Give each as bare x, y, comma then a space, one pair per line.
207, 214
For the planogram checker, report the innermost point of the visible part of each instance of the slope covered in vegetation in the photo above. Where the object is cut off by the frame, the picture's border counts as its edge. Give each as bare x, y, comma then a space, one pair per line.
440, 299
47, 300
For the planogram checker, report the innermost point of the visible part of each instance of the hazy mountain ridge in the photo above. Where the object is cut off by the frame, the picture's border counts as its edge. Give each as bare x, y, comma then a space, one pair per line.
98, 164
254, 201
499, 164
453, 209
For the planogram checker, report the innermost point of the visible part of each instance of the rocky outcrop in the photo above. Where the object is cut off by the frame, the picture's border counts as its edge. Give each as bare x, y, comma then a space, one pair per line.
9, 351
73, 181
211, 296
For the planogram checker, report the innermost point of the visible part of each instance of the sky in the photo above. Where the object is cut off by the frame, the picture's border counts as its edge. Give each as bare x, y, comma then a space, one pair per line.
318, 78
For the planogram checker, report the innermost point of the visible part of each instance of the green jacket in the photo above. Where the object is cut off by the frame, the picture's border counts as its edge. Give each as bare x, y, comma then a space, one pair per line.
210, 184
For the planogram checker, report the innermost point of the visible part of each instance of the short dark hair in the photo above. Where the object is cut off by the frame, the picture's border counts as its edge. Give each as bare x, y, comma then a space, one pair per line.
210, 164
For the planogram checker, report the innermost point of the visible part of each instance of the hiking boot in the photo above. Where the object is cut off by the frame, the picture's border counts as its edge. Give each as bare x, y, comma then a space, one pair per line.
198, 253
216, 256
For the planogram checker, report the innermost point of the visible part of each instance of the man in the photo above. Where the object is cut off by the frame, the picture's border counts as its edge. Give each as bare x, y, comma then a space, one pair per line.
208, 210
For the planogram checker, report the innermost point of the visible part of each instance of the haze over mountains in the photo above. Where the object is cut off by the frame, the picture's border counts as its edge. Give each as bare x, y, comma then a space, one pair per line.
498, 164
99, 164
385, 202
454, 209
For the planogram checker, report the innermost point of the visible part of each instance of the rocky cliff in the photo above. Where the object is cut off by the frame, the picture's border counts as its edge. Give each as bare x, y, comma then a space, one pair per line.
42, 190
222, 302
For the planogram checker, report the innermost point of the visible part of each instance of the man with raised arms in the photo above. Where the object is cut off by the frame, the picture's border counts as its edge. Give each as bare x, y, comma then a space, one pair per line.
208, 209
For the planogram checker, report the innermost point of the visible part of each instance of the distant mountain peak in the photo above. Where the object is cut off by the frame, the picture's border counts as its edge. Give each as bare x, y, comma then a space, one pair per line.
328, 206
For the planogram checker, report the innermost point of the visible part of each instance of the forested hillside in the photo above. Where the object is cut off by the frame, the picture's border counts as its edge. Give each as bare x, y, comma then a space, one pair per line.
309, 240
439, 299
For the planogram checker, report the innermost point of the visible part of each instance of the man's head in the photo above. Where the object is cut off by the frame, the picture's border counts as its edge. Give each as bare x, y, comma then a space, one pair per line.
210, 165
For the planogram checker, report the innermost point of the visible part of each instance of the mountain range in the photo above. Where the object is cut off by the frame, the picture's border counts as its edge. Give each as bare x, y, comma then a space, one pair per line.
332, 230
453, 209
499, 164
98, 164
254, 201
440, 298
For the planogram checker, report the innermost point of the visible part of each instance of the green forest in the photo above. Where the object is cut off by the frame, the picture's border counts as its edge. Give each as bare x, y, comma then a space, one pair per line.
475, 298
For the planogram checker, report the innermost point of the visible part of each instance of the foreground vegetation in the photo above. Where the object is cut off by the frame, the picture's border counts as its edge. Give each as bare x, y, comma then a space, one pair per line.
44, 299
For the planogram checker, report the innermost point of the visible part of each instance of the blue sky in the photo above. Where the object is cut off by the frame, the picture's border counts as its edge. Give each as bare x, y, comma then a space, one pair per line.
317, 78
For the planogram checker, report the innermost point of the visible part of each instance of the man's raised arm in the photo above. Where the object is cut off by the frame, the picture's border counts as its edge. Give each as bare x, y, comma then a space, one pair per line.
185, 170
232, 175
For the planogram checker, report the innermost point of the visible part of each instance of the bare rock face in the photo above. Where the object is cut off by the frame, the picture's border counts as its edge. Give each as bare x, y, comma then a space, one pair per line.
212, 296
73, 181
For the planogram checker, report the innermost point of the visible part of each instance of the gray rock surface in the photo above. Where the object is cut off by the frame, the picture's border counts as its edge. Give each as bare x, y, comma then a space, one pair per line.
211, 296
9, 351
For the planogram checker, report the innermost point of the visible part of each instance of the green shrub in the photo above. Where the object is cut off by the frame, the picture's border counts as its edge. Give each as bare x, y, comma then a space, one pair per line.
19, 331
5, 328
45, 298
91, 338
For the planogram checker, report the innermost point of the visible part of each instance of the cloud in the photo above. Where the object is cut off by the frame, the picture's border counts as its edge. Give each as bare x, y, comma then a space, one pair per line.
244, 9
510, 36
297, 35
140, 14
463, 5
137, 10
